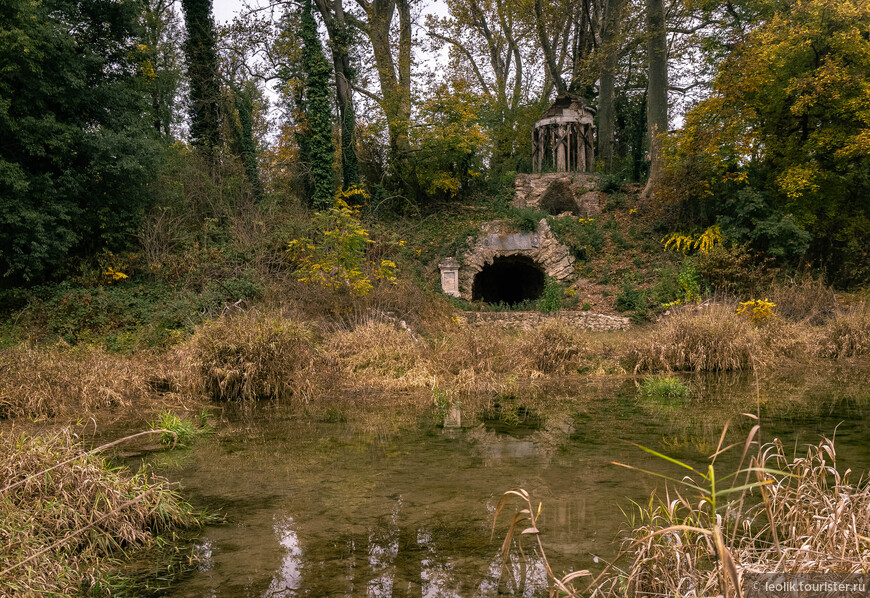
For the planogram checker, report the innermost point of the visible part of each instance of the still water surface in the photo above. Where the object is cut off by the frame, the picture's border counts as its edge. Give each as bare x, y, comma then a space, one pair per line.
319, 509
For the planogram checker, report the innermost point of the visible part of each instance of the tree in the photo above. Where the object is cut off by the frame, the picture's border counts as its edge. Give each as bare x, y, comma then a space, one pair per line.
77, 145
393, 64
161, 40
317, 113
657, 92
785, 136
341, 39
202, 73
607, 81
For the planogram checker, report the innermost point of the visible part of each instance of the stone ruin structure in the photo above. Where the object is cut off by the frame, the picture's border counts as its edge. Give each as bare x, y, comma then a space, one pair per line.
503, 265
563, 158
563, 140
507, 266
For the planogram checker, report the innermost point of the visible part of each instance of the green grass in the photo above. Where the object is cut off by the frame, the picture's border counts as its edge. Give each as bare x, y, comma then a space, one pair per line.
186, 431
664, 387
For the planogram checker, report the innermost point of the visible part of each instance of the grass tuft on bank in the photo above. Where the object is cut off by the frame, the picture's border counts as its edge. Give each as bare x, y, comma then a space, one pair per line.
65, 531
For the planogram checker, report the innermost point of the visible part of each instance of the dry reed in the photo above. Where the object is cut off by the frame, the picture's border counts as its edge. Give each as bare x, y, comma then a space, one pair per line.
49, 382
66, 516
711, 339
380, 352
249, 356
786, 515
848, 335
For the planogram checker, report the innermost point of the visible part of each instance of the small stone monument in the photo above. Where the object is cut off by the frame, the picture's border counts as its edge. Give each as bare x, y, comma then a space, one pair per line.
450, 277
453, 418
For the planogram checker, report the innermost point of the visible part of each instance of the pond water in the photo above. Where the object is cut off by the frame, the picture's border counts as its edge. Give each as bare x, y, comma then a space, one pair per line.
320, 509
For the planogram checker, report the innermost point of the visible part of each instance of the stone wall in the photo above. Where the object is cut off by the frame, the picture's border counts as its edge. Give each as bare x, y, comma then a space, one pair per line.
530, 319
496, 240
557, 192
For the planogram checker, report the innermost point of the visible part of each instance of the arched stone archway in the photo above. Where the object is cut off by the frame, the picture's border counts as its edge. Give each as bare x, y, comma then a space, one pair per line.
501, 255
509, 279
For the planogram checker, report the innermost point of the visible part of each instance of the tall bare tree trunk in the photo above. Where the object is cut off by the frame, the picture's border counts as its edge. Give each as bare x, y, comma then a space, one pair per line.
547, 48
607, 76
395, 79
657, 95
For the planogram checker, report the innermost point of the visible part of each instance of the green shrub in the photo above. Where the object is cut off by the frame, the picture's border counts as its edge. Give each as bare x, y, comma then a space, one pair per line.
664, 387
525, 220
666, 288
185, 430
552, 298
581, 235
631, 299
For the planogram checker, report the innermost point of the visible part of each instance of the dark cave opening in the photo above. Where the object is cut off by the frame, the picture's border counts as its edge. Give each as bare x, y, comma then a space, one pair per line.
511, 279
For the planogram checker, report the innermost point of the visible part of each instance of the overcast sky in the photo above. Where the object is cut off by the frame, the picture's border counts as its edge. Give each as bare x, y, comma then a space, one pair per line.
225, 10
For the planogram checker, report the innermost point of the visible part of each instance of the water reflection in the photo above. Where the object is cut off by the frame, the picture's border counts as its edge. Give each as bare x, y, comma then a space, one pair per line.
315, 510
287, 580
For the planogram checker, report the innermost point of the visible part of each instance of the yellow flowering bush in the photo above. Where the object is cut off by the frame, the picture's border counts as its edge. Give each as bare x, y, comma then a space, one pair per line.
336, 256
685, 243
758, 311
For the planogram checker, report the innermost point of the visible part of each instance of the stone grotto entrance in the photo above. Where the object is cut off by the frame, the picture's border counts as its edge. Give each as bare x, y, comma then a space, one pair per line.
509, 279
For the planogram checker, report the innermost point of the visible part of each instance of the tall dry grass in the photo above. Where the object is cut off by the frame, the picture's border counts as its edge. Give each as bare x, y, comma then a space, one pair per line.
805, 517
848, 335
248, 356
710, 339
62, 530
379, 352
38, 382
782, 514
806, 300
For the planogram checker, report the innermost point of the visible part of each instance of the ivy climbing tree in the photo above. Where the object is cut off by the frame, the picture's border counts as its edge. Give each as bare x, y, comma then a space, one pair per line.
317, 113
202, 71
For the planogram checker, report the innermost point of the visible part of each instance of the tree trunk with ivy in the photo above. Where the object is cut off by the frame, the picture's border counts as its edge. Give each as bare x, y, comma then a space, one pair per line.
317, 113
202, 71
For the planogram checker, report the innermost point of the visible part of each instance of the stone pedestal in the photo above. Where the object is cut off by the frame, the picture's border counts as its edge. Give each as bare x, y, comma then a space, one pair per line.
450, 277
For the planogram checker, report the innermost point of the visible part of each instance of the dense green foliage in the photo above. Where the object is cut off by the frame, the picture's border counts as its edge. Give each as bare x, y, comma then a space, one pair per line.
76, 151
779, 152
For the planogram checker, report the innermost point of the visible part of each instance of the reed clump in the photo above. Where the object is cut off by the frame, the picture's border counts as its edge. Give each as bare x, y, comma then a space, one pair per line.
796, 515
247, 357
847, 335
807, 300
711, 339
379, 351
49, 382
805, 517
63, 531
553, 346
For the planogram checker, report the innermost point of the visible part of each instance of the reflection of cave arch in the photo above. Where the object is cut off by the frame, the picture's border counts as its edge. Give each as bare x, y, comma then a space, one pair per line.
509, 279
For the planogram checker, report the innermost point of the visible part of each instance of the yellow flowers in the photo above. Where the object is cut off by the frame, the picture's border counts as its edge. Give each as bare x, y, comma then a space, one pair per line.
685, 243
758, 311
111, 275
336, 258
632, 211
586, 220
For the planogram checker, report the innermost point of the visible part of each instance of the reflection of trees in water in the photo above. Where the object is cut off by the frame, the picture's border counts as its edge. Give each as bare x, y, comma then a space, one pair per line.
395, 558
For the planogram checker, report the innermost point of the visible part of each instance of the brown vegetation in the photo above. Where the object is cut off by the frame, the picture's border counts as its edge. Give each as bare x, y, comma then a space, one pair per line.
59, 528
792, 515
252, 355
712, 339
848, 335
48, 382
247, 357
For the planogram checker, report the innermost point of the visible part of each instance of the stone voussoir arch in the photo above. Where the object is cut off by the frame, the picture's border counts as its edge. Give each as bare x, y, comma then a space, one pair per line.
497, 240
